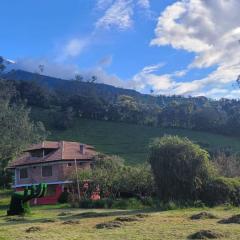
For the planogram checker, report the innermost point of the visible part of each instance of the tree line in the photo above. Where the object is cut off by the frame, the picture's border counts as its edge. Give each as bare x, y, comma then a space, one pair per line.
63, 103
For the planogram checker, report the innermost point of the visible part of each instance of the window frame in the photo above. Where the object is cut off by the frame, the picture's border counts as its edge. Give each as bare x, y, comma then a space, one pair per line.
27, 175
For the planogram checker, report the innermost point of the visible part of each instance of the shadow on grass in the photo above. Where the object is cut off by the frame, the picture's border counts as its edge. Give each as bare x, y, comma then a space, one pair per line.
85, 215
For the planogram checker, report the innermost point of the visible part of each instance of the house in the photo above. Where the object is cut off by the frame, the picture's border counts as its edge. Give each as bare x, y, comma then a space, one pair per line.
52, 163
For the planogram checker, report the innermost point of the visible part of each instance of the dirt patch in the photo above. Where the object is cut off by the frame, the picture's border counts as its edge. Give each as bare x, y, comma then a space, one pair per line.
109, 225
142, 215
203, 215
48, 220
33, 229
206, 234
232, 219
127, 219
61, 214
71, 222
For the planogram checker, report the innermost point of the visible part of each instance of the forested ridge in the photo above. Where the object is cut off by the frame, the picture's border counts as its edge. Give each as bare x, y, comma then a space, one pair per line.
65, 100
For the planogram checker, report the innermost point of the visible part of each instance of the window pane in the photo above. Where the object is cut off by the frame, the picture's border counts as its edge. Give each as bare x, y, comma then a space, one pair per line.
47, 171
23, 173
37, 153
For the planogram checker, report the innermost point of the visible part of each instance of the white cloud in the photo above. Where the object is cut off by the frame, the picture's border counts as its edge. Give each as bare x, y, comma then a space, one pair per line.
119, 13
72, 48
102, 4
210, 29
104, 77
152, 68
144, 3
147, 77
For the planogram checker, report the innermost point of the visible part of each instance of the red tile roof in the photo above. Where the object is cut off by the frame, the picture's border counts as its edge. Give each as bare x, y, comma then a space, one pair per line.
61, 150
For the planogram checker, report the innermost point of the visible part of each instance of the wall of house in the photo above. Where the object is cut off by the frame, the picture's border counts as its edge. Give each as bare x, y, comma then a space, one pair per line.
60, 172
35, 175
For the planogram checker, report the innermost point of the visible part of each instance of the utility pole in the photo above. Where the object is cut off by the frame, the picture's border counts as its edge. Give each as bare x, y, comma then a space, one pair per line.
78, 186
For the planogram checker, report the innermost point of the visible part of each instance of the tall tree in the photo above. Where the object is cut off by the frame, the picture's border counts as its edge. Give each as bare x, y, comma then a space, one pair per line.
16, 129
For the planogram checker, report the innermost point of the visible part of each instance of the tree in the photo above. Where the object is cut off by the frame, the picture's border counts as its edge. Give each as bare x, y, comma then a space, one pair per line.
180, 168
106, 174
78, 78
2, 66
228, 164
137, 180
112, 177
16, 130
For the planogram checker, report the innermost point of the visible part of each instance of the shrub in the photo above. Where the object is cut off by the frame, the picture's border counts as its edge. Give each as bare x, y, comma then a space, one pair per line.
86, 204
131, 203
222, 190
63, 197
180, 168
149, 201
103, 203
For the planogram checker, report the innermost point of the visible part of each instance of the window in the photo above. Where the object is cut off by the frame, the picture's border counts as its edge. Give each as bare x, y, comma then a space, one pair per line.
69, 164
47, 171
37, 153
23, 173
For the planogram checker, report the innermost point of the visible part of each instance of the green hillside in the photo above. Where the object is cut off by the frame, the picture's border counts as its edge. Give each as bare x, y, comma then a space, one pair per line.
131, 141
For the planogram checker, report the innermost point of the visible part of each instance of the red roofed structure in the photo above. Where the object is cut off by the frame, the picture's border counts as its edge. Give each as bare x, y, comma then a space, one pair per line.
52, 163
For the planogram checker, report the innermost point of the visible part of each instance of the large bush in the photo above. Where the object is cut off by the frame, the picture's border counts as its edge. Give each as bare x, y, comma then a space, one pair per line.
181, 168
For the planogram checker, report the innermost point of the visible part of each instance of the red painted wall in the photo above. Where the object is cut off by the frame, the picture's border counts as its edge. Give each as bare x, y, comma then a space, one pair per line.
50, 199
53, 199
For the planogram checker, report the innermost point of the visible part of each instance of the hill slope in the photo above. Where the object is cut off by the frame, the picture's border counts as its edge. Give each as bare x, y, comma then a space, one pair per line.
131, 141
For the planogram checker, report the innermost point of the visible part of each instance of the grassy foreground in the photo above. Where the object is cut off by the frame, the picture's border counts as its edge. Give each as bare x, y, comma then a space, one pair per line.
52, 223
131, 141
174, 224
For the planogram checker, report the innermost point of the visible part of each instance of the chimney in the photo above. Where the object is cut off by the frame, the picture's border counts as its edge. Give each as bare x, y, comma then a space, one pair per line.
82, 149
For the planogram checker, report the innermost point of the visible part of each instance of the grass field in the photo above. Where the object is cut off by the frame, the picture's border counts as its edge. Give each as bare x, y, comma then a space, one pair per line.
76, 224
166, 225
131, 141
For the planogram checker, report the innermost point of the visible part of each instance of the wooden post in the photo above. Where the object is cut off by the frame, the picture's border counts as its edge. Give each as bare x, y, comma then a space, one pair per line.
78, 187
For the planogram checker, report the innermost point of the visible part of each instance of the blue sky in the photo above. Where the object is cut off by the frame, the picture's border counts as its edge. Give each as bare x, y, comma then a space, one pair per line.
187, 47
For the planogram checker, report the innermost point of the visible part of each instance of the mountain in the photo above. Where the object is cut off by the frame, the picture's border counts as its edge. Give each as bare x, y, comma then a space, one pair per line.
107, 92
71, 86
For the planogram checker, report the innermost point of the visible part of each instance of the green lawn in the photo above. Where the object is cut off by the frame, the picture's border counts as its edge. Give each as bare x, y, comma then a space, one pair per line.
131, 141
